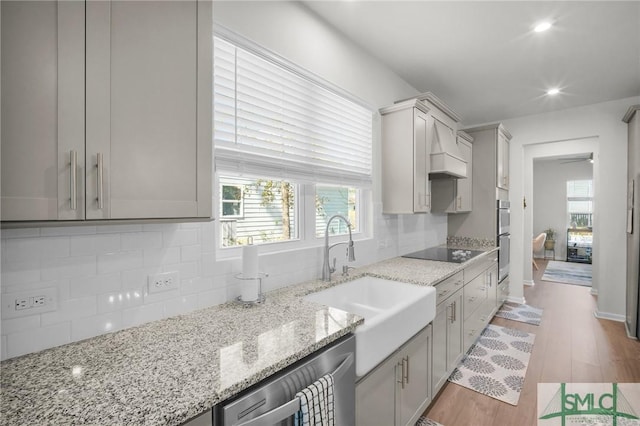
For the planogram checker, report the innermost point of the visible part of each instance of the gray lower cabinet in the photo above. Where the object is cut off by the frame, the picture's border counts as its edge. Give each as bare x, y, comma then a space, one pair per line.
398, 390
102, 121
448, 339
480, 299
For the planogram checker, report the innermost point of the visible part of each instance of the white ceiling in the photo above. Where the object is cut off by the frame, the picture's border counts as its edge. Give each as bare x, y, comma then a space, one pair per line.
485, 61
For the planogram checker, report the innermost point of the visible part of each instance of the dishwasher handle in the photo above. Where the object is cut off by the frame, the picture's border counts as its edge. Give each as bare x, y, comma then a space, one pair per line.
292, 407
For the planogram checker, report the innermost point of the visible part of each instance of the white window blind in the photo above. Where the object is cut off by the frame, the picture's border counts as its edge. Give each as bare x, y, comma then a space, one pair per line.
271, 121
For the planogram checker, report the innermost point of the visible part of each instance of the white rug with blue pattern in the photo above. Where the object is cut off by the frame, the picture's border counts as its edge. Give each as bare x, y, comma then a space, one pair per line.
568, 272
497, 364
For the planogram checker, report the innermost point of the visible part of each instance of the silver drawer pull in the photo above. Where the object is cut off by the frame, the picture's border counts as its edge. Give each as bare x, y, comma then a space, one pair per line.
443, 292
73, 181
100, 165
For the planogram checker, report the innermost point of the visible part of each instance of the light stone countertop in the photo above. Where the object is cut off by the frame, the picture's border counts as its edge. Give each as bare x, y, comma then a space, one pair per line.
168, 371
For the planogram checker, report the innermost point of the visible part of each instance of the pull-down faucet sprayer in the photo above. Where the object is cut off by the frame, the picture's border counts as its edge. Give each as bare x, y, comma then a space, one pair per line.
327, 269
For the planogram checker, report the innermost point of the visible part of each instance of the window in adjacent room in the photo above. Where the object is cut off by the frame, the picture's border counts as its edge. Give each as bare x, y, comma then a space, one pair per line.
580, 203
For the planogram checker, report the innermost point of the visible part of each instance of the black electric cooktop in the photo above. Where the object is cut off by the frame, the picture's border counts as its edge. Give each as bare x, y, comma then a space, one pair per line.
443, 254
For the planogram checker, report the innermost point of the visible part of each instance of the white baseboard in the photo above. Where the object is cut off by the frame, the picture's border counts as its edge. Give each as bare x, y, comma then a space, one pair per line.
529, 283
609, 316
629, 335
519, 300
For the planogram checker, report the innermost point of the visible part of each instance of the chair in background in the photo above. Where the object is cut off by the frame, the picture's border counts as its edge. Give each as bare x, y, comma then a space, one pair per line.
538, 244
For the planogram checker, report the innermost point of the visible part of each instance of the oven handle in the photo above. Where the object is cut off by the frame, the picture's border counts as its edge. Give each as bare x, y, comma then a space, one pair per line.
292, 407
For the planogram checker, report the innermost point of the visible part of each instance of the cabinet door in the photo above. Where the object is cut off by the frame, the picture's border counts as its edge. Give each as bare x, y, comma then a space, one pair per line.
375, 396
464, 192
502, 179
492, 289
148, 127
439, 373
422, 164
42, 110
414, 395
455, 332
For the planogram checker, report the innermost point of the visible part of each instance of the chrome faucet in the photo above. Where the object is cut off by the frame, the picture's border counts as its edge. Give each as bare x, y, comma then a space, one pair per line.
327, 269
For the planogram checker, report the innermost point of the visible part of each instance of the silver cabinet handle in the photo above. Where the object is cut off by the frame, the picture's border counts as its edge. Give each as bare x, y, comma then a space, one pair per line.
100, 165
401, 365
73, 180
455, 311
407, 376
459, 201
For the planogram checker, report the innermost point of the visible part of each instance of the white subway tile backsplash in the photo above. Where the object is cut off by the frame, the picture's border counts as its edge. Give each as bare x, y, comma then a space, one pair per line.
191, 253
96, 325
117, 301
19, 233
161, 256
180, 237
67, 231
196, 285
211, 298
186, 270
142, 314
113, 229
68, 267
181, 305
38, 339
17, 273
121, 261
141, 240
87, 286
150, 298
137, 279
3, 348
94, 244
101, 273
71, 309
26, 249
15, 325
208, 264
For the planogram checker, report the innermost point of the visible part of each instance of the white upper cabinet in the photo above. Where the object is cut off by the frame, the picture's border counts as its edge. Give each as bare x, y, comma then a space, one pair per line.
42, 110
140, 136
502, 178
406, 147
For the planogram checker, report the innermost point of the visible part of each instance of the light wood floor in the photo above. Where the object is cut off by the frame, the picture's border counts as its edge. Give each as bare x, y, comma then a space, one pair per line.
571, 345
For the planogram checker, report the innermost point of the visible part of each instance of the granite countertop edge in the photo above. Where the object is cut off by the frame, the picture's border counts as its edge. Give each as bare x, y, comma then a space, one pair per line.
397, 269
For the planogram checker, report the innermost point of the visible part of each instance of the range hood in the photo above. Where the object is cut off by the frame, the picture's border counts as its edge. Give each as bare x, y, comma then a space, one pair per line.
446, 161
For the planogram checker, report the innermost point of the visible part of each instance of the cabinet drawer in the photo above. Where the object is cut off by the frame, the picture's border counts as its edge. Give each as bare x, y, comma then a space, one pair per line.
447, 287
480, 265
474, 325
475, 294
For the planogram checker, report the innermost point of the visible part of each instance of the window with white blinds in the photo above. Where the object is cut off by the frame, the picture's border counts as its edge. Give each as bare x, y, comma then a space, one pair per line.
271, 121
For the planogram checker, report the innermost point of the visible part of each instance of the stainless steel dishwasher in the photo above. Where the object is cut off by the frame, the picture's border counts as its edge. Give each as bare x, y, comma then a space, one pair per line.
273, 402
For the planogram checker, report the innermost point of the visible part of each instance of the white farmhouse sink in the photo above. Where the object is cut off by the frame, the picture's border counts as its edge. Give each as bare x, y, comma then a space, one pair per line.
393, 312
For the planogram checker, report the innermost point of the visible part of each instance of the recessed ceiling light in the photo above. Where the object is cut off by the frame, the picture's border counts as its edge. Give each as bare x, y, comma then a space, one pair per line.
553, 91
542, 26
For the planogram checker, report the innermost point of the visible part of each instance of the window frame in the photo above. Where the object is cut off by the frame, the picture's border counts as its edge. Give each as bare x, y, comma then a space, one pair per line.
306, 193
224, 217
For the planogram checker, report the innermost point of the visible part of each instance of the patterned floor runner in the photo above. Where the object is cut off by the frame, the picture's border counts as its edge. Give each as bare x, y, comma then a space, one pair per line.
497, 364
424, 421
569, 273
520, 312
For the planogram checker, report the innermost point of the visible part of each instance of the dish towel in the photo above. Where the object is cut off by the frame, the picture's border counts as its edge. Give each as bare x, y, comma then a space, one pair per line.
316, 403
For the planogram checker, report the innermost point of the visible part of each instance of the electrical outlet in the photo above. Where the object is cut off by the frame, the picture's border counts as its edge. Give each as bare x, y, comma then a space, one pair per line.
22, 303
163, 282
31, 302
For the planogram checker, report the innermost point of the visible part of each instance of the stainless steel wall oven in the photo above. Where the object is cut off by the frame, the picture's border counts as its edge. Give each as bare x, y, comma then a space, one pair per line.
503, 238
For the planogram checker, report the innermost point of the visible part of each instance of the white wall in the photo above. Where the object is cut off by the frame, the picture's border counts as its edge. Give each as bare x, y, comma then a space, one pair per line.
594, 128
549, 202
100, 272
